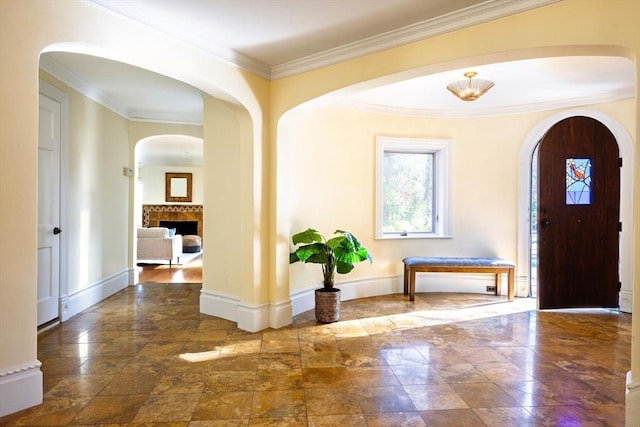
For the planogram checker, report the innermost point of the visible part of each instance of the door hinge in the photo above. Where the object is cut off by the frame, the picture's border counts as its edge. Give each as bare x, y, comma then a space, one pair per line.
620, 227
619, 286
619, 162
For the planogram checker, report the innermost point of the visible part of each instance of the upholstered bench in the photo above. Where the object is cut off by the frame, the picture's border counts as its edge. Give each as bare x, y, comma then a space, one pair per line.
191, 244
413, 265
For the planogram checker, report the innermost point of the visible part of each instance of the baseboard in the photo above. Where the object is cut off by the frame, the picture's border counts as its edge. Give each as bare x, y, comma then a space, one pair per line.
276, 315
20, 388
249, 317
305, 300
82, 300
253, 318
632, 402
280, 314
626, 301
522, 285
425, 282
458, 282
224, 307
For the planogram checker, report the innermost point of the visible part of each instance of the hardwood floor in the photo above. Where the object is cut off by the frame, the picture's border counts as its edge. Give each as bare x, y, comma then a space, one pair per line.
190, 272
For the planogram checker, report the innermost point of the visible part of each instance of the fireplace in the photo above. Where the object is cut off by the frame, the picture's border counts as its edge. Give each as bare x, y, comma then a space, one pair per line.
153, 215
182, 227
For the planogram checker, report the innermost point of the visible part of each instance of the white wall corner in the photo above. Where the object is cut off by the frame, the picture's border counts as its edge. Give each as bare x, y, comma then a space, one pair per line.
632, 403
20, 388
71, 305
253, 318
626, 301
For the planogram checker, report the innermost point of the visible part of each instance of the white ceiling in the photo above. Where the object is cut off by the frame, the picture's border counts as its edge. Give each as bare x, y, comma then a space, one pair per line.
275, 38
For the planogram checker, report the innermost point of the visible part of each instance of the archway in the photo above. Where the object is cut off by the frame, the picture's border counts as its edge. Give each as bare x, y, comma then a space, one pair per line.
627, 172
155, 156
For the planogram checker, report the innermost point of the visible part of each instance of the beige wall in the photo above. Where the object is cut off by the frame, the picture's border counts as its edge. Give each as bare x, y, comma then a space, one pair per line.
151, 182
333, 170
96, 206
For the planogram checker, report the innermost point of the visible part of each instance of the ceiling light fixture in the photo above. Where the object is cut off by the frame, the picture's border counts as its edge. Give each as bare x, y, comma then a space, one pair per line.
471, 89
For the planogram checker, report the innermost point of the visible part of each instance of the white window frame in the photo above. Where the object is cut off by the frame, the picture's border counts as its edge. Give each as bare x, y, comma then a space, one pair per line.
442, 164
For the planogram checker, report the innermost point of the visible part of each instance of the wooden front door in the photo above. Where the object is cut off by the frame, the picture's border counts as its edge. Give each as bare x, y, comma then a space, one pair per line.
578, 215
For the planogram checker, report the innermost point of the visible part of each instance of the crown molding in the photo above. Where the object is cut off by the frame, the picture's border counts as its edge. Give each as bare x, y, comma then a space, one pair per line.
89, 90
79, 84
486, 11
227, 55
473, 15
618, 95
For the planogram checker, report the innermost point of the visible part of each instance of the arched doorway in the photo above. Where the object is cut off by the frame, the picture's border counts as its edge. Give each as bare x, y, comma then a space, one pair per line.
526, 233
155, 157
578, 213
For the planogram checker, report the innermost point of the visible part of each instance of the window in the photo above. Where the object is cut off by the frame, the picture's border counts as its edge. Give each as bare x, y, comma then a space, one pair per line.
413, 185
578, 181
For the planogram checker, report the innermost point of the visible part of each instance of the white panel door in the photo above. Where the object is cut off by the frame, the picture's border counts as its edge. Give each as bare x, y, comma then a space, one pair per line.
49, 141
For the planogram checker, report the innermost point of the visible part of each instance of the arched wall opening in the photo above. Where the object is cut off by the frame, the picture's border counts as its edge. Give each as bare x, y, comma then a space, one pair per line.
247, 139
155, 156
310, 123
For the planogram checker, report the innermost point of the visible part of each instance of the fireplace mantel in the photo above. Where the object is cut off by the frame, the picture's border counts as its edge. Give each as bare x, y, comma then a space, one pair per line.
153, 214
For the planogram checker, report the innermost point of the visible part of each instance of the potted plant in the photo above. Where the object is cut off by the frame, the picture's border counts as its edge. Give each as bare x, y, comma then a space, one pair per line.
338, 254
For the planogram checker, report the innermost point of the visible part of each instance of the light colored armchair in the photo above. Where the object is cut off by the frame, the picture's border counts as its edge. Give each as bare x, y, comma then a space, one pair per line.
154, 243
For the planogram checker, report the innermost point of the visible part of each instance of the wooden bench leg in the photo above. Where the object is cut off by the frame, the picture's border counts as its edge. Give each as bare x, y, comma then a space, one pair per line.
498, 283
510, 289
412, 285
406, 279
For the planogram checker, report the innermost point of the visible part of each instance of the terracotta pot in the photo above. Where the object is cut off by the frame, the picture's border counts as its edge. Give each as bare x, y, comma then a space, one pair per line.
327, 305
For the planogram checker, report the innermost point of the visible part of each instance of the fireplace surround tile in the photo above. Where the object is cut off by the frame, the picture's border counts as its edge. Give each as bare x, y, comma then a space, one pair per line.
153, 214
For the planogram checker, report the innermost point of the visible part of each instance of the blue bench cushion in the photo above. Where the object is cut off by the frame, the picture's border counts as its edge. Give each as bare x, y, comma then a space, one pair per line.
457, 261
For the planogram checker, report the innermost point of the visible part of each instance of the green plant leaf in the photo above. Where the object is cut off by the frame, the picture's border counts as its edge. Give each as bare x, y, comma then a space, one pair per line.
315, 253
343, 267
308, 236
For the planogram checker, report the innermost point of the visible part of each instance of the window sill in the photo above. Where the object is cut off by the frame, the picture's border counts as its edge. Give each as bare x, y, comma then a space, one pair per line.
414, 236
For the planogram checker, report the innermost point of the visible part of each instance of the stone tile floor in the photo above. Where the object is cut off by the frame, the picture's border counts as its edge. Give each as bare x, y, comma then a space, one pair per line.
146, 356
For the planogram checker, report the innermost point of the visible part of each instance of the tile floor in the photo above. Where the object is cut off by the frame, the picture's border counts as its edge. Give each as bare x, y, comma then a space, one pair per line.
146, 356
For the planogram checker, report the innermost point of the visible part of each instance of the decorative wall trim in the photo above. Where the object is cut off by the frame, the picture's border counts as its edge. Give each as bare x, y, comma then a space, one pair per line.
20, 387
18, 369
70, 305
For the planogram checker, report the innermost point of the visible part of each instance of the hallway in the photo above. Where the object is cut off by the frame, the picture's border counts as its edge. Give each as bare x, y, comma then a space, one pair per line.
146, 355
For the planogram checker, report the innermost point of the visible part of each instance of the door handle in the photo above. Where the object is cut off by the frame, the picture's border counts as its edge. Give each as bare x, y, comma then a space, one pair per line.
57, 230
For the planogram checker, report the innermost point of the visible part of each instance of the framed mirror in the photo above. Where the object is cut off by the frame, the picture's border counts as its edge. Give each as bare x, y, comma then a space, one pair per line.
177, 187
